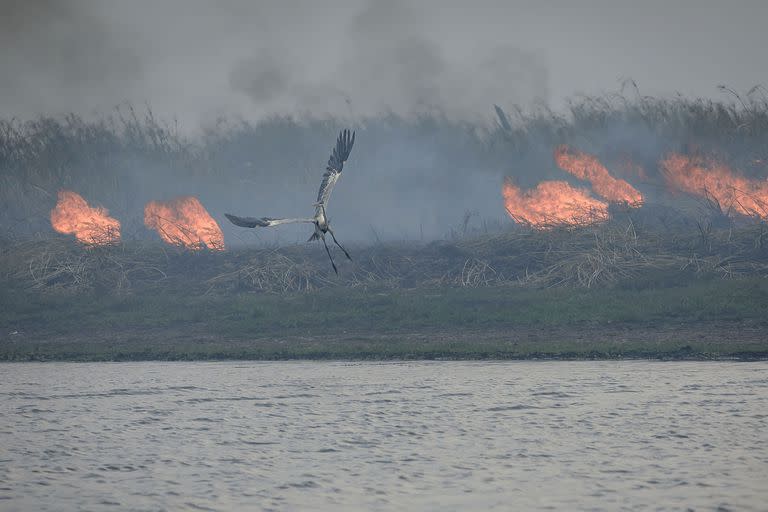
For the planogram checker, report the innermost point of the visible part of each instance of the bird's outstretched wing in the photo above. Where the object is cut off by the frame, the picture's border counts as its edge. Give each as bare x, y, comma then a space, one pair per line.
335, 164
263, 222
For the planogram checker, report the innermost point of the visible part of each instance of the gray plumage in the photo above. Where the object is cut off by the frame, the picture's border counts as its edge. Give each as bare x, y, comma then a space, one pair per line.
335, 165
339, 155
263, 222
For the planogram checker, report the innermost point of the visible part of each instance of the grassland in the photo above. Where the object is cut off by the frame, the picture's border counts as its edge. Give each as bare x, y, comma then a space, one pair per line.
709, 320
664, 281
472, 299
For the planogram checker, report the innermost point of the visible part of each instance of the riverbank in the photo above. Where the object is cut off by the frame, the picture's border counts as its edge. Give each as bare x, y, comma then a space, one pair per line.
714, 319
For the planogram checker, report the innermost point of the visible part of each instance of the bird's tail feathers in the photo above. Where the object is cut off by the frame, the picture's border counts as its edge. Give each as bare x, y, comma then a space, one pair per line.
313, 237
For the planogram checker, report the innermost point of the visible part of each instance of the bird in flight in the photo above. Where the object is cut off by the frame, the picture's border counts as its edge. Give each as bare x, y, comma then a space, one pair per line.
322, 225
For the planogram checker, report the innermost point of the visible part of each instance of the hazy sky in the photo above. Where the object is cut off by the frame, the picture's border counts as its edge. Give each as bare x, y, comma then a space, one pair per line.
197, 60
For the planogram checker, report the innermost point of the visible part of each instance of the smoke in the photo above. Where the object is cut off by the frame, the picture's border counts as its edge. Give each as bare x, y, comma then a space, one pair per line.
405, 180
198, 61
357, 63
260, 77
62, 55
385, 60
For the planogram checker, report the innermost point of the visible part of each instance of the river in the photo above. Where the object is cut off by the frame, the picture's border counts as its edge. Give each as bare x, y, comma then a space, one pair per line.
633, 435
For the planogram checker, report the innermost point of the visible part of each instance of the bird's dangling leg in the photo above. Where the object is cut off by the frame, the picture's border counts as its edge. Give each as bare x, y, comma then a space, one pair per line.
340, 246
329, 255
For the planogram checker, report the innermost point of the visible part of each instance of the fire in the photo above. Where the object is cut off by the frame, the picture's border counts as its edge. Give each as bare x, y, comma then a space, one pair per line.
587, 167
551, 204
184, 222
714, 180
91, 226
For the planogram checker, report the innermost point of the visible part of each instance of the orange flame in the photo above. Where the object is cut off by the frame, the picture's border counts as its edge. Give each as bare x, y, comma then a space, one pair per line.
184, 222
711, 179
551, 204
91, 226
587, 167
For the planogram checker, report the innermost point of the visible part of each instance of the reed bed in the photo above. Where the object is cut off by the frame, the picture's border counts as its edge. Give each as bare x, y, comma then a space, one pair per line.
111, 160
619, 253
100, 159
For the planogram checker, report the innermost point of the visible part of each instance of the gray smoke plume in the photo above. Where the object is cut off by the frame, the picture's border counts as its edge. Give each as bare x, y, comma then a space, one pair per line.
199, 60
59, 56
358, 63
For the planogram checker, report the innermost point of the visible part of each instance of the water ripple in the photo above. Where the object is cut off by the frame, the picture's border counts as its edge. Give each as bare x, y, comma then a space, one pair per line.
395, 436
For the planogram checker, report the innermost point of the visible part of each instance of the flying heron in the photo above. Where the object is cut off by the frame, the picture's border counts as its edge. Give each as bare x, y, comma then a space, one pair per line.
322, 225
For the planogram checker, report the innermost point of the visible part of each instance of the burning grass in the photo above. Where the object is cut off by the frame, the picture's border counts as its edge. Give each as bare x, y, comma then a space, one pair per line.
184, 222
115, 158
588, 167
553, 204
90, 226
622, 252
730, 192
599, 265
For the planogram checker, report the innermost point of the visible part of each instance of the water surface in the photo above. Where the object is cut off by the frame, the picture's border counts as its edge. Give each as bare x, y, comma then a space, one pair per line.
391, 436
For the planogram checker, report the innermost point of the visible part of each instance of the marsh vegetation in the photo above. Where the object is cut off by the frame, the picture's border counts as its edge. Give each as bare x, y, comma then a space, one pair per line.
677, 272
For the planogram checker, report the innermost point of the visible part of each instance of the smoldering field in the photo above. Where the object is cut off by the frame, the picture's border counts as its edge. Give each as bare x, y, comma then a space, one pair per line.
420, 207
420, 177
